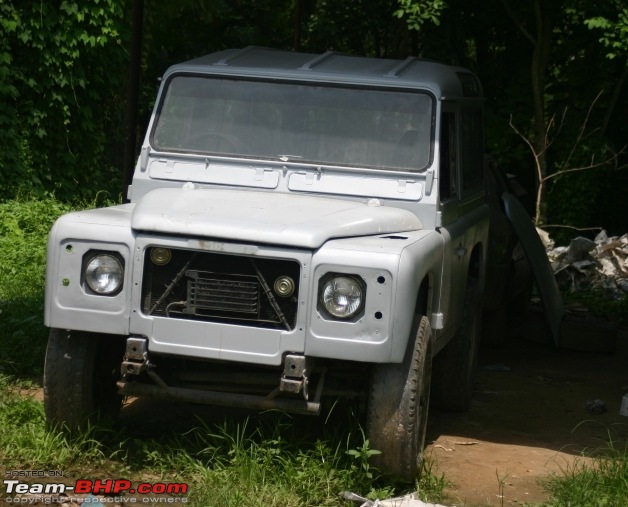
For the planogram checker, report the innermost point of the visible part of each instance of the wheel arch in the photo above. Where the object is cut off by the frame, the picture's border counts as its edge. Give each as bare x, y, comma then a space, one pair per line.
477, 264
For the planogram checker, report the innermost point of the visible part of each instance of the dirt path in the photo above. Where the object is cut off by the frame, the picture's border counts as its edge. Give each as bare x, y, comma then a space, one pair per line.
527, 420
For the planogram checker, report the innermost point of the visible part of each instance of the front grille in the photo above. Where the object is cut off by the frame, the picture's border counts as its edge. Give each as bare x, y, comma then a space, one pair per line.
220, 288
226, 293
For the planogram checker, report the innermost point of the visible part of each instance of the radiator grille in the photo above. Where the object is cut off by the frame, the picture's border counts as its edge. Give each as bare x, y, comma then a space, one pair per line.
220, 288
228, 293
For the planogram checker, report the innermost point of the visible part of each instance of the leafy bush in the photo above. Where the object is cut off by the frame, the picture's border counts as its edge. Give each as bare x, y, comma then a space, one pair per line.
24, 226
59, 99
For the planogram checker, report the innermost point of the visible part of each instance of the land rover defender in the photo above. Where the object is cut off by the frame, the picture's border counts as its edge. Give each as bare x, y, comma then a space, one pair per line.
299, 228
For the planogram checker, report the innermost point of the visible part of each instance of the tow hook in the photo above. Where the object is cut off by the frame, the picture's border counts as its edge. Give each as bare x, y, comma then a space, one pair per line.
295, 375
135, 357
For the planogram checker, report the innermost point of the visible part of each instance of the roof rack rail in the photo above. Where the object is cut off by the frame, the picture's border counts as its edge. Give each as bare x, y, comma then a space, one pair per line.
401, 67
237, 54
319, 60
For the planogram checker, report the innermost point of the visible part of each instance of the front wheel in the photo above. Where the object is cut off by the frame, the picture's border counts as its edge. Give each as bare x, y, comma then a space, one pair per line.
398, 406
80, 376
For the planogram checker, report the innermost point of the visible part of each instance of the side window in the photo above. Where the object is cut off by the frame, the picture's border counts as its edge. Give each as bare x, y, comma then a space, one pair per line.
448, 157
472, 149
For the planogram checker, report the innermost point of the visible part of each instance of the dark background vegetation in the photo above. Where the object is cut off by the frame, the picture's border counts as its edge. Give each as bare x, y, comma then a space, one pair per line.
64, 70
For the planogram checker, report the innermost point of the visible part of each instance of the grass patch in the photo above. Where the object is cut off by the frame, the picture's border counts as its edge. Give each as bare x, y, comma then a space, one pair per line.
602, 482
602, 304
26, 442
267, 459
24, 226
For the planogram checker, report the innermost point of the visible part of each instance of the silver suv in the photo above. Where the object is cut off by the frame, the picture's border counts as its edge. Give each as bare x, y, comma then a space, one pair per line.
300, 227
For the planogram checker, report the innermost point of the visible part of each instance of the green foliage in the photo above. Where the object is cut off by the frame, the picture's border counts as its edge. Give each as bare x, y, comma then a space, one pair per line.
60, 85
432, 483
361, 27
601, 304
614, 33
568, 208
24, 226
362, 455
419, 12
268, 459
601, 482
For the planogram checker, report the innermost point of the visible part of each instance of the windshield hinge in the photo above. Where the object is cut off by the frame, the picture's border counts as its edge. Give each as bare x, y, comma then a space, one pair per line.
310, 176
144, 158
429, 181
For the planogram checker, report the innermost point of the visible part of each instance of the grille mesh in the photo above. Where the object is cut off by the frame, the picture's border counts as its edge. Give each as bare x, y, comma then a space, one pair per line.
219, 288
229, 293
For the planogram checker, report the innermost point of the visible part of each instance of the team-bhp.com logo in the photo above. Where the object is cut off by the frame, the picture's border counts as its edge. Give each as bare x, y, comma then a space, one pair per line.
117, 487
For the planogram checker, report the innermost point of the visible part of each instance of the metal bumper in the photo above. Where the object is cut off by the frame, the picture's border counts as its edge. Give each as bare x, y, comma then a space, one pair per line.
222, 399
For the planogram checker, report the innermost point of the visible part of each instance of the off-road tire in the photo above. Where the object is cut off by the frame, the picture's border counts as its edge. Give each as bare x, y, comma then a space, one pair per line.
455, 367
398, 406
80, 377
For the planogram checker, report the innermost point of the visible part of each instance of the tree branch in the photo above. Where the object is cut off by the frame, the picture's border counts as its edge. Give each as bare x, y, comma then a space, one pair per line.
582, 130
519, 25
592, 165
557, 226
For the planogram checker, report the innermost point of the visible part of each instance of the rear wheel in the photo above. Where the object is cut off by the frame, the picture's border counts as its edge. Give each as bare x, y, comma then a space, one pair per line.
80, 377
455, 366
398, 406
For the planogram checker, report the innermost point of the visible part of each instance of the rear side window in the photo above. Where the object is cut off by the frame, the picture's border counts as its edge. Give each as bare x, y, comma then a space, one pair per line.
472, 149
448, 157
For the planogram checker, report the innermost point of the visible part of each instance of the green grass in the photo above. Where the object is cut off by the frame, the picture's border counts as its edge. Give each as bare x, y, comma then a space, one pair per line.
267, 459
25, 441
602, 304
601, 482
24, 226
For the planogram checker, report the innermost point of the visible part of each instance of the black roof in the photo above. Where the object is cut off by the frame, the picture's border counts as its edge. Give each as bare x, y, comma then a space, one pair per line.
444, 81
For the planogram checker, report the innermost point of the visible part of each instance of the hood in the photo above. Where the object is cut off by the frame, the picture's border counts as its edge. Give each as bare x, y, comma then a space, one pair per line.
264, 217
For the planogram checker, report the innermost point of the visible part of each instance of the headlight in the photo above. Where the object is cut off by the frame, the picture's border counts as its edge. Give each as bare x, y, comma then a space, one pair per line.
104, 274
342, 296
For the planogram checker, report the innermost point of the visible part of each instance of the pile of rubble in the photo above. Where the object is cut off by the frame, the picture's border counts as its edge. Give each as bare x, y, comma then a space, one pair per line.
601, 263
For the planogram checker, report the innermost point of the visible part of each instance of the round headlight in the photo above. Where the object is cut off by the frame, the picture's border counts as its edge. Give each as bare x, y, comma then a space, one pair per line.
104, 274
342, 296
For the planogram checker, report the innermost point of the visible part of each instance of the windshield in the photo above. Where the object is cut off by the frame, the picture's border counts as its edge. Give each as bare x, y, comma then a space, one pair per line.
323, 125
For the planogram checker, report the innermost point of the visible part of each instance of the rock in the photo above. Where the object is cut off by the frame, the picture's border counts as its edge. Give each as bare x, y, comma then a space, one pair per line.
596, 407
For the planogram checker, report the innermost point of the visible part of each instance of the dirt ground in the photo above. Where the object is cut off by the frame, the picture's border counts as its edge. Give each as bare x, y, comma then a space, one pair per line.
529, 419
